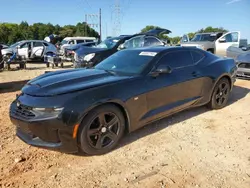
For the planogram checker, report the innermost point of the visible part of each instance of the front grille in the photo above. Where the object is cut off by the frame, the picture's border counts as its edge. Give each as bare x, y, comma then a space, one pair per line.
244, 65
23, 112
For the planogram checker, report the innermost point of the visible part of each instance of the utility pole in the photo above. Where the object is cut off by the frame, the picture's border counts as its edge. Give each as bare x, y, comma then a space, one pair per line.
86, 21
106, 29
100, 23
94, 23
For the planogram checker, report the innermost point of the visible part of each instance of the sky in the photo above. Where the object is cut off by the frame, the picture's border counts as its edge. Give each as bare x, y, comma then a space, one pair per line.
179, 16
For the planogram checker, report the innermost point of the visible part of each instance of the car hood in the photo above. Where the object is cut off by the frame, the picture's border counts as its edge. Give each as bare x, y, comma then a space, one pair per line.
67, 81
245, 57
87, 50
7, 51
195, 43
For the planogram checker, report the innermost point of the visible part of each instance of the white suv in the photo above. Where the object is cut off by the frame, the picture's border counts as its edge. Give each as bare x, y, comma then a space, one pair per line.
30, 49
69, 41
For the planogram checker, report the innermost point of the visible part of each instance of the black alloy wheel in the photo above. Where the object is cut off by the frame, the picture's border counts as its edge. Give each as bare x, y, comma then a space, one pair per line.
104, 130
220, 94
101, 130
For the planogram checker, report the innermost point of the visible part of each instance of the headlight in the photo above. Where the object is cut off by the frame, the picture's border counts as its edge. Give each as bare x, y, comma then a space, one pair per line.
200, 46
47, 112
89, 57
48, 109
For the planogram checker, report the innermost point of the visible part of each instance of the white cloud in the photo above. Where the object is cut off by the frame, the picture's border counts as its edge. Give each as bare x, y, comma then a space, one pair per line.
233, 1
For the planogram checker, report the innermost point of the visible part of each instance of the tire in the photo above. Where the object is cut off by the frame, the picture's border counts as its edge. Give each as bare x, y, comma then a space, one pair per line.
56, 64
47, 64
61, 65
8, 66
22, 66
220, 94
97, 138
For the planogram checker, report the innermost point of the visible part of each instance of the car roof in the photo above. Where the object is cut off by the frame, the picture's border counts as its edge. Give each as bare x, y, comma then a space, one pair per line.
161, 48
150, 49
210, 33
33, 41
75, 38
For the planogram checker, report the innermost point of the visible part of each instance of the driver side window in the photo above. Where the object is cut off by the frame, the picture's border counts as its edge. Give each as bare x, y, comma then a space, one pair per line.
231, 37
177, 59
151, 41
25, 45
134, 43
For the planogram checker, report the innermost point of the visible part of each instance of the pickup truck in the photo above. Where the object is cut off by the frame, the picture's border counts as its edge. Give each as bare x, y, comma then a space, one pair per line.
216, 43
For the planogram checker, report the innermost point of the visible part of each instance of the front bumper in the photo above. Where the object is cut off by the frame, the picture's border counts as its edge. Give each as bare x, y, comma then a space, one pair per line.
46, 133
82, 64
243, 72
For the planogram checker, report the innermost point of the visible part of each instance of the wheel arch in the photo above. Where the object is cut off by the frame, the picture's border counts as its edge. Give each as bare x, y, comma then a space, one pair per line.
116, 103
49, 52
227, 76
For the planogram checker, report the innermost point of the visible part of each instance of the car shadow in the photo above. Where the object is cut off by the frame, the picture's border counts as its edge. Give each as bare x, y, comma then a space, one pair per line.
12, 86
237, 94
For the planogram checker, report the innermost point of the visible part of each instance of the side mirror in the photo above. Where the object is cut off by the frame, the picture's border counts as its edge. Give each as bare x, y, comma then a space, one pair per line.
222, 40
161, 69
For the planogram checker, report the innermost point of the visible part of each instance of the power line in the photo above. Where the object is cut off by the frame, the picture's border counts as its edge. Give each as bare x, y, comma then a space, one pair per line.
116, 18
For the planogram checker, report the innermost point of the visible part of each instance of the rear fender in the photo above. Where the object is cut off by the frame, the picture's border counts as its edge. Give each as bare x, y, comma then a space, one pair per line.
226, 75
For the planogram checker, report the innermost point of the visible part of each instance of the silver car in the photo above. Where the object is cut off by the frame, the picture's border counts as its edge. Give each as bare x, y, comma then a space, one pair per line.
30, 49
243, 64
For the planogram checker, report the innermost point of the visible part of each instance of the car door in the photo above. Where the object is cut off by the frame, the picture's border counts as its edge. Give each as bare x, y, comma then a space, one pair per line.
225, 41
23, 49
174, 91
152, 41
37, 49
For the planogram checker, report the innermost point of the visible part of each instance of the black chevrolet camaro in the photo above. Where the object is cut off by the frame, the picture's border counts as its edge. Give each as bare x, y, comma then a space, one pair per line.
89, 110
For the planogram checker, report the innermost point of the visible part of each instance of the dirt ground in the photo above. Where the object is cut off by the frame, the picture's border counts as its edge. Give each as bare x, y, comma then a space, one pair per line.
195, 148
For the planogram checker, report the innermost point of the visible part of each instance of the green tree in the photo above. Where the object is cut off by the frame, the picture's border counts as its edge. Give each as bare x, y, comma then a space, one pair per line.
149, 27
11, 33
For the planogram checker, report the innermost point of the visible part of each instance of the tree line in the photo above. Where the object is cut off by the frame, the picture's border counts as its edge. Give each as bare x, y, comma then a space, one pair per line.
11, 32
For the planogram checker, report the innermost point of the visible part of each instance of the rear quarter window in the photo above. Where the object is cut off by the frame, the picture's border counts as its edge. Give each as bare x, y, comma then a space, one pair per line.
197, 56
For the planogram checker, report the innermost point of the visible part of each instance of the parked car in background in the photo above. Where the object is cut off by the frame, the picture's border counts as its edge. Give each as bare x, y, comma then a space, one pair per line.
89, 57
70, 41
70, 50
30, 49
243, 64
234, 52
216, 43
89, 110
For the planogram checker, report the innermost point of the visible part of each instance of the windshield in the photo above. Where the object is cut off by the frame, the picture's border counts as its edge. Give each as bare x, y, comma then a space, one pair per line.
64, 42
108, 43
15, 45
204, 37
127, 61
